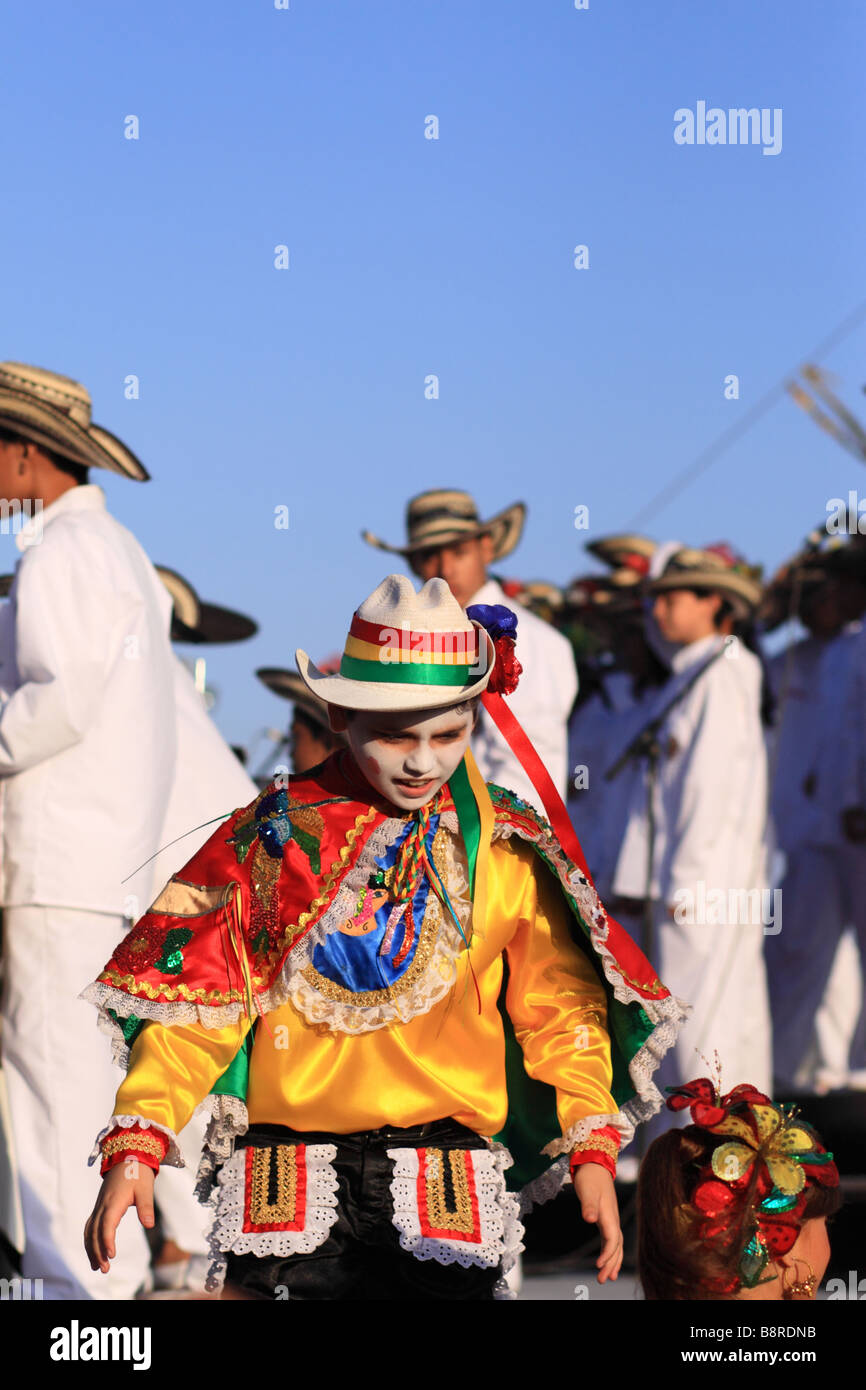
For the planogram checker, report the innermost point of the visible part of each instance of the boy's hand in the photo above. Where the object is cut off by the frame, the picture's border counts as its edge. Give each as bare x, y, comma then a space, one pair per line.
598, 1206
118, 1192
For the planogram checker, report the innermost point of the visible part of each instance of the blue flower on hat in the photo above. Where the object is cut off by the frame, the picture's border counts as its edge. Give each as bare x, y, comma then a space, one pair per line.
496, 618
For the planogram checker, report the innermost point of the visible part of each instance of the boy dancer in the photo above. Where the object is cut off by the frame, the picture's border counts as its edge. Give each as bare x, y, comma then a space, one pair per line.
430, 968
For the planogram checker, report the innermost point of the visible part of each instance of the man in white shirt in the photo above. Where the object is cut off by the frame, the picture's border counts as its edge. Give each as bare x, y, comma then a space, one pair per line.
87, 757
447, 539
706, 874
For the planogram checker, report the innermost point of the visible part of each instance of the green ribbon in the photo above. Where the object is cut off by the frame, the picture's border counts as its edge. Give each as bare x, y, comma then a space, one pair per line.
418, 673
467, 816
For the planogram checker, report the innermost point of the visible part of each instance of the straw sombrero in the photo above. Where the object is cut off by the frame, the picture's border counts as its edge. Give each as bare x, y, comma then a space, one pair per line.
54, 411
289, 686
716, 570
612, 594
629, 551
540, 596
446, 516
198, 622
406, 650
796, 582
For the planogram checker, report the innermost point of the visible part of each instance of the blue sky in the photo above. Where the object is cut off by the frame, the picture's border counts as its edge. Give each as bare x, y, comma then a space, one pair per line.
408, 256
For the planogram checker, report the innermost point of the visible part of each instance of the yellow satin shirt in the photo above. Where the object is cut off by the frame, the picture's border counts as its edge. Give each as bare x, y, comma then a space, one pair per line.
448, 1062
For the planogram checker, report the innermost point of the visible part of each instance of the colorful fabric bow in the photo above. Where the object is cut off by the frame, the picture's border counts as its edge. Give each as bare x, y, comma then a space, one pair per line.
767, 1162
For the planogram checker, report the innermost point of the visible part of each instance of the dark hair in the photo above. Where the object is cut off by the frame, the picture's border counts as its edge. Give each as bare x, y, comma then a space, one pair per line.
78, 471
674, 1261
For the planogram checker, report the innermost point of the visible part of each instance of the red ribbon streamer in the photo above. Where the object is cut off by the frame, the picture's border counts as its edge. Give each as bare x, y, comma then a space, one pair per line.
515, 735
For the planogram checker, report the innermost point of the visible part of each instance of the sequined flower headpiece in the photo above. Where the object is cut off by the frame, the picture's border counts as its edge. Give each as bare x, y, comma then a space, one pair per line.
755, 1187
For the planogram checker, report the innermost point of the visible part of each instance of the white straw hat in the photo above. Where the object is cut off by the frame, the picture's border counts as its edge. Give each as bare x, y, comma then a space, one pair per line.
406, 651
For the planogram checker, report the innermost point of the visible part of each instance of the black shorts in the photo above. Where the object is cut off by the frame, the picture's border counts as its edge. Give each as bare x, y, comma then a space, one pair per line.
418, 1213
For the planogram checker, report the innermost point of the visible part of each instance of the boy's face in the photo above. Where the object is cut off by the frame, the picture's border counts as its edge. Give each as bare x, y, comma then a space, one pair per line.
685, 617
407, 756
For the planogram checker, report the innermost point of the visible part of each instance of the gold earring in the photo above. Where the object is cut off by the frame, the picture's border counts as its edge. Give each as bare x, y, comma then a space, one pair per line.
802, 1288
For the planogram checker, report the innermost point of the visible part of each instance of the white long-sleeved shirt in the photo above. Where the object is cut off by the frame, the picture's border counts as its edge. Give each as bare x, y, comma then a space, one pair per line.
598, 734
840, 753
711, 787
795, 675
209, 782
542, 703
87, 712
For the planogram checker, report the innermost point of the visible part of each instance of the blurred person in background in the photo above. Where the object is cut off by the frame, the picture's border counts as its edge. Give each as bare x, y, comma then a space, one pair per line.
818, 764
310, 737
691, 876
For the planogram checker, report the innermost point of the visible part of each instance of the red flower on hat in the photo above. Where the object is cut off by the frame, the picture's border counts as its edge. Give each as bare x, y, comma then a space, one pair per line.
725, 552
640, 563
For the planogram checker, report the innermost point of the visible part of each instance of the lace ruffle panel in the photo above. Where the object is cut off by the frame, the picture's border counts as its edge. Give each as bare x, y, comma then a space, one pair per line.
497, 1237
299, 1221
229, 1118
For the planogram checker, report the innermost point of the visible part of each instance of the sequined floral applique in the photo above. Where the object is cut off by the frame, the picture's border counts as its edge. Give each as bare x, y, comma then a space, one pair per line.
274, 821
151, 946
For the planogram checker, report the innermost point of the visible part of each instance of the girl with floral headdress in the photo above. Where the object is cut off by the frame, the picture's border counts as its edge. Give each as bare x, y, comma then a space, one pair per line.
735, 1205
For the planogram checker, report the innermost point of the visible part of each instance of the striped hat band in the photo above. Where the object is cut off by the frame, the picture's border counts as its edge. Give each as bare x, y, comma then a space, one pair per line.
403, 654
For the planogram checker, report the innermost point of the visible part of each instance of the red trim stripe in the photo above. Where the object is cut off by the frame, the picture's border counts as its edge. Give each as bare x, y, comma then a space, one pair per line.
428, 1230
300, 1216
383, 636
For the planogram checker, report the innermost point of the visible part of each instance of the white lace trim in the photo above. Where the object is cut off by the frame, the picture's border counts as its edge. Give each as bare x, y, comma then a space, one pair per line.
229, 1118
171, 1014
320, 1213
546, 1186
668, 1015
498, 1211
580, 1131
173, 1157
512, 1225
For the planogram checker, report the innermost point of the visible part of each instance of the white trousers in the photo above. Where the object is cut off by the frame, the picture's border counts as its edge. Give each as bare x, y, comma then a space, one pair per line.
823, 894
61, 1086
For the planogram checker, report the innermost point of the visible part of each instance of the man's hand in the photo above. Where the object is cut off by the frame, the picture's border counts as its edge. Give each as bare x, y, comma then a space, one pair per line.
117, 1194
598, 1206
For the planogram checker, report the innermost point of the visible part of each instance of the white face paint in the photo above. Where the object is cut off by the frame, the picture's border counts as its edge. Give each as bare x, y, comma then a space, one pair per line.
408, 756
